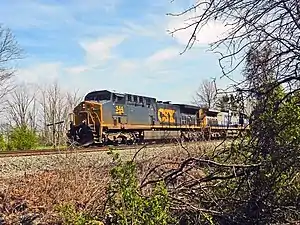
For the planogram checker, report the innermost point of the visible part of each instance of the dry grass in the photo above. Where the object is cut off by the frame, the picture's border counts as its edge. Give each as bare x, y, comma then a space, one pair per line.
40, 193
84, 187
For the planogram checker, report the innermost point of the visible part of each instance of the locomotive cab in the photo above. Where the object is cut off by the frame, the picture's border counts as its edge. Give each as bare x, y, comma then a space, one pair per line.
85, 123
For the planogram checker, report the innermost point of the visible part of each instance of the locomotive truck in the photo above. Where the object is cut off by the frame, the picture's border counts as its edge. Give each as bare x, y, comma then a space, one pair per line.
106, 117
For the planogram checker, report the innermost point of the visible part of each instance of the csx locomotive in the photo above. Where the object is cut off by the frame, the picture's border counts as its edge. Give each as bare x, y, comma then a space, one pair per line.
106, 117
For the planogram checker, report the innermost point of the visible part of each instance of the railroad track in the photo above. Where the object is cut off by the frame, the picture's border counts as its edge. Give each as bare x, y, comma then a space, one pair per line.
71, 150
52, 151
58, 151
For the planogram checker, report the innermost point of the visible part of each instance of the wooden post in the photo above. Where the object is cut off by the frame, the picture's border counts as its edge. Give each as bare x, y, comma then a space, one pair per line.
54, 131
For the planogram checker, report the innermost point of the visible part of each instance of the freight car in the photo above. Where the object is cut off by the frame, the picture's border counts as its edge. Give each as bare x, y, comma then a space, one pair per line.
106, 117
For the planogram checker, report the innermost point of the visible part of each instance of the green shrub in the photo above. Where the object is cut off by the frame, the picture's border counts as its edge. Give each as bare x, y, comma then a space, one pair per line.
70, 216
126, 204
2, 143
22, 138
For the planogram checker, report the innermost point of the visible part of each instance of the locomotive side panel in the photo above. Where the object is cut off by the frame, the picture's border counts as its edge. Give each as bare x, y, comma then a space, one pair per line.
188, 119
189, 115
108, 111
167, 114
228, 119
130, 116
139, 115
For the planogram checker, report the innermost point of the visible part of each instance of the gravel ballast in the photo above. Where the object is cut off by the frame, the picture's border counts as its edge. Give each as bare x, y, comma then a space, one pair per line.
21, 165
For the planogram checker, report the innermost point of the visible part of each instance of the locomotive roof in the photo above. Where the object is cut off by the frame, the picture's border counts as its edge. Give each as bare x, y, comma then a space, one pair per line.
98, 92
185, 106
117, 93
182, 106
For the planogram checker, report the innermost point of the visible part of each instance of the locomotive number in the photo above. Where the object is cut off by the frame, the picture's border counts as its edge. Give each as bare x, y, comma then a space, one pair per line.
166, 115
119, 109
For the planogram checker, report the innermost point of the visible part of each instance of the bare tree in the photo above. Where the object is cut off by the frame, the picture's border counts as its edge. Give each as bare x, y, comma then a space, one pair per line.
206, 94
251, 25
73, 99
55, 105
21, 109
9, 53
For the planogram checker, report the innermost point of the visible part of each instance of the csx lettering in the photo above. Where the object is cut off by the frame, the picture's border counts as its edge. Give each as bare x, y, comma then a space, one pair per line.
119, 109
166, 115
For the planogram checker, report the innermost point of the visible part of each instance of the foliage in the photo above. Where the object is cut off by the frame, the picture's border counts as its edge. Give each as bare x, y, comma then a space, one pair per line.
255, 180
275, 144
270, 193
127, 205
71, 216
2, 142
22, 138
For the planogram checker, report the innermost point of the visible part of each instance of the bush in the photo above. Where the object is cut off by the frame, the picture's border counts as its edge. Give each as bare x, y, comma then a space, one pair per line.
127, 205
71, 216
22, 138
2, 143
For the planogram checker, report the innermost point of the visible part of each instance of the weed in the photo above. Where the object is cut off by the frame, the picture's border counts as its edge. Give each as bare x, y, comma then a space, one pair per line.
126, 204
71, 216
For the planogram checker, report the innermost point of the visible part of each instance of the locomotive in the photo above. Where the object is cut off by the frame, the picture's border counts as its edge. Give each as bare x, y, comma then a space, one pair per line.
106, 117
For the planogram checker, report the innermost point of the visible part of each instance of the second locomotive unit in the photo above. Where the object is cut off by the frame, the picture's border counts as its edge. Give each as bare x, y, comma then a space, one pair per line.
106, 117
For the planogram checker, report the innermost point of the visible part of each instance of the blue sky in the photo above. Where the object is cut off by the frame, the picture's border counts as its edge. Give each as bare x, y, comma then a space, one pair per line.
120, 45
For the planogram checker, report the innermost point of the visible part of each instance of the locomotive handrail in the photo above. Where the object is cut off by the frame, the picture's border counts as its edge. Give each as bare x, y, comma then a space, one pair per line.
89, 115
97, 117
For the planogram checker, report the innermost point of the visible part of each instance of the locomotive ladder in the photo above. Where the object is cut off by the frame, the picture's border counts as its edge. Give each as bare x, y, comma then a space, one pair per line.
94, 117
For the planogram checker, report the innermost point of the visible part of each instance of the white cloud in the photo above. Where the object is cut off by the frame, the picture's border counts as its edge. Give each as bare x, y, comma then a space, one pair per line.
132, 74
127, 66
97, 52
209, 33
37, 73
132, 28
44, 15
88, 5
162, 56
76, 69
100, 50
154, 63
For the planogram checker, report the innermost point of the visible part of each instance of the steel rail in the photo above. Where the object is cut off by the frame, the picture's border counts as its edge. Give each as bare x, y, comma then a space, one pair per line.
70, 149
34, 152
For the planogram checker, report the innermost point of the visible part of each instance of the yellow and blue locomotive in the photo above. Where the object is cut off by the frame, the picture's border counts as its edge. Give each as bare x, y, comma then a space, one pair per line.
106, 117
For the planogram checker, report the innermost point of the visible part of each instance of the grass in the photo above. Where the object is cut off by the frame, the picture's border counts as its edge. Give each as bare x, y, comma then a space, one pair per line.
49, 147
38, 148
81, 185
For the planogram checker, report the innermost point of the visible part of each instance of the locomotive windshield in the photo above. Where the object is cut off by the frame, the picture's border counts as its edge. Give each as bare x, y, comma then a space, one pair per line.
100, 96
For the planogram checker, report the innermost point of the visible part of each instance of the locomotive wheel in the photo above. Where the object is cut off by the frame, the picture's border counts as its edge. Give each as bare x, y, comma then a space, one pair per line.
129, 142
86, 138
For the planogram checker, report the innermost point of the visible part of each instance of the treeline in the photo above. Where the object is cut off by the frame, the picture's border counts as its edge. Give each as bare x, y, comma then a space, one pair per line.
27, 109
210, 96
29, 113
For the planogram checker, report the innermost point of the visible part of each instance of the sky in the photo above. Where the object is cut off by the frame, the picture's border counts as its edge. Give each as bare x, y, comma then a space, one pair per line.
120, 45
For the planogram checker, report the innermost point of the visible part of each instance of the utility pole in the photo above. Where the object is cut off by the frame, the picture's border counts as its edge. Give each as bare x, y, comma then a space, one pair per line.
54, 131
